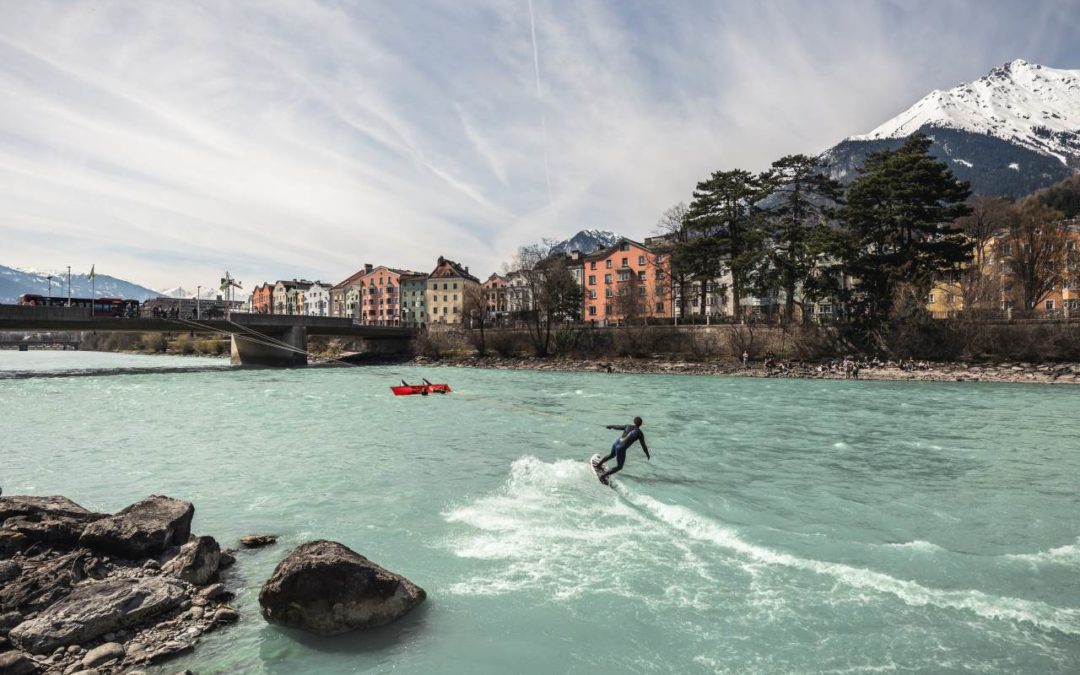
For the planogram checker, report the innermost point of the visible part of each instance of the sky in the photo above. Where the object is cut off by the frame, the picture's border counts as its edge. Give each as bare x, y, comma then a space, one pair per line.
165, 142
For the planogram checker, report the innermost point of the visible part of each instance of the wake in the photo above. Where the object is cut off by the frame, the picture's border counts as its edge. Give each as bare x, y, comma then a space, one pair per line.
700, 528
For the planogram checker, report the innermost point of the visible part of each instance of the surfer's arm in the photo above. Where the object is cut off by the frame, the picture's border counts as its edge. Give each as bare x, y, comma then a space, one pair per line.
616, 427
646, 449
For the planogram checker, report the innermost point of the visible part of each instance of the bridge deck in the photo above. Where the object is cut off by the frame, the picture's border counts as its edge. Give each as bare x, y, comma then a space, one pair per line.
20, 318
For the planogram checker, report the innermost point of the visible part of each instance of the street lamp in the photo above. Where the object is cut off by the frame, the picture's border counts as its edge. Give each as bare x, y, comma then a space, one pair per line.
50, 278
198, 294
69, 286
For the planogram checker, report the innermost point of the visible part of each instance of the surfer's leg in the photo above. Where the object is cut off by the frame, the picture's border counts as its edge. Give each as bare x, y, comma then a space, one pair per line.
620, 457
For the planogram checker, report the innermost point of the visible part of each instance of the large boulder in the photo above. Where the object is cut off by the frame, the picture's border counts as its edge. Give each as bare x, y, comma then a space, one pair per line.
93, 609
143, 529
56, 521
197, 562
326, 588
24, 505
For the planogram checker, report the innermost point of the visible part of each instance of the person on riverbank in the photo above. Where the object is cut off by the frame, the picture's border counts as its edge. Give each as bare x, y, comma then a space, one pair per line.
631, 433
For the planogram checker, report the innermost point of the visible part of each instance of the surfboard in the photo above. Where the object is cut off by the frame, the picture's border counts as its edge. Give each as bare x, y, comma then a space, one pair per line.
597, 469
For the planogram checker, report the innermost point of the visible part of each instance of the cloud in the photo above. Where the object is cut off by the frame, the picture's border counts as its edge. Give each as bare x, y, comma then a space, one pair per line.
166, 141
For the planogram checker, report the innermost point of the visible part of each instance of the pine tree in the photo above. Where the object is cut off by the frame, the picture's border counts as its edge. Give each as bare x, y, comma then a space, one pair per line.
801, 199
722, 217
899, 221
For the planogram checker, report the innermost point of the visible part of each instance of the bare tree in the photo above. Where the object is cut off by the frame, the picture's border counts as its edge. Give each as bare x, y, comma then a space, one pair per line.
551, 295
1038, 250
475, 308
989, 216
673, 226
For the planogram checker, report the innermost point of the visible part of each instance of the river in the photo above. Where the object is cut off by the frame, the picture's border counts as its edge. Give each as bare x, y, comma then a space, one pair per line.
781, 526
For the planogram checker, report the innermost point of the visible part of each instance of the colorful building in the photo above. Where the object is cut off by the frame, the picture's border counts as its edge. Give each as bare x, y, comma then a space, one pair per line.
381, 296
495, 296
446, 288
316, 300
262, 299
339, 303
626, 283
413, 305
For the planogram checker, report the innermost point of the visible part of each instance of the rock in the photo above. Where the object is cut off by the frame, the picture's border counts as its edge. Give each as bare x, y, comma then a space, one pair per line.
102, 654
197, 562
12, 542
143, 529
326, 588
151, 565
9, 620
53, 530
17, 663
95, 608
9, 569
194, 614
227, 559
226, 615
20, 505
215, 592
87, 671
40, 584
258, 540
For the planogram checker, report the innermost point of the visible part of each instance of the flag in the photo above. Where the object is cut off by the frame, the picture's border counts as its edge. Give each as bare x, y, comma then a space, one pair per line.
91, 275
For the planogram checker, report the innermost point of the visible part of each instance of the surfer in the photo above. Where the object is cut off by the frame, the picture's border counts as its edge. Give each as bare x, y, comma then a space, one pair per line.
631, 433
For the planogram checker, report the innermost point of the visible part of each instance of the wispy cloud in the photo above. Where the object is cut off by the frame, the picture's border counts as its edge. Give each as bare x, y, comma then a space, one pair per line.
164, 141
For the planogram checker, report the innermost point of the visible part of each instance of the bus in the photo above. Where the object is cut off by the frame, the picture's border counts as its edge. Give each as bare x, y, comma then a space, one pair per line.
105, 307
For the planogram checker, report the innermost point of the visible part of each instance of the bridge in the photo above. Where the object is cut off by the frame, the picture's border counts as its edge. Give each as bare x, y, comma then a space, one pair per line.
257, 339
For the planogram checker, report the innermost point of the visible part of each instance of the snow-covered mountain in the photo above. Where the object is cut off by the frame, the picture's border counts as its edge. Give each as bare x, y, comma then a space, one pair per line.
586, 241
1009, 133
206, 293
14, 282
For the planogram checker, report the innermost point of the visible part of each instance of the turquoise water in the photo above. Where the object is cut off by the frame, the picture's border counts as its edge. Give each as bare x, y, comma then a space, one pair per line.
782, 526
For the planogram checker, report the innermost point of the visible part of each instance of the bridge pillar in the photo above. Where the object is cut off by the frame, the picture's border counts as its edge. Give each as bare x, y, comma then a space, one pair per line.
264, 350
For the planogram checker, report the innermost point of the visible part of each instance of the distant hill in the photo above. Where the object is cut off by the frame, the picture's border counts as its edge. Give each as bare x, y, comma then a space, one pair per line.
1009, 133
14, 282
586, 241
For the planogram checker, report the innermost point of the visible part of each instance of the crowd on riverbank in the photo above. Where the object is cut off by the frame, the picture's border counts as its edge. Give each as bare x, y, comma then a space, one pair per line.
833, 369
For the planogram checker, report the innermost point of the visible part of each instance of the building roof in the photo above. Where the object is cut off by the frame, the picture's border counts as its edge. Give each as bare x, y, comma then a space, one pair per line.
607, 252
351, 279
448, 269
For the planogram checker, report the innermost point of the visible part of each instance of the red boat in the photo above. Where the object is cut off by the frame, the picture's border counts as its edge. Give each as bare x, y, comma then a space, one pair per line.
420, 389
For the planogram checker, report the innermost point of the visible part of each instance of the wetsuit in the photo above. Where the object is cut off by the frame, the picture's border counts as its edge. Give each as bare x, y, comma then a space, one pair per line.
630, 434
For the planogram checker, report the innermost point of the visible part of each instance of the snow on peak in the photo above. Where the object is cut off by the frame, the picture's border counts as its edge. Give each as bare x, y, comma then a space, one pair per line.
1023, 103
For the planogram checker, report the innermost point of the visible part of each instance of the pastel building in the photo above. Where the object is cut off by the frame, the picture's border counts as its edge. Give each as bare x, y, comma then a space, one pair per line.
495, 297
381, 296
262, 299
413, 288
316, 300
446, 288
339, 303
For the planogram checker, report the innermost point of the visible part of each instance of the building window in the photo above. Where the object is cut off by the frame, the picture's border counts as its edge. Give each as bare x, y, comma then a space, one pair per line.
625, 246
660, 307
608, 263
607, 292
641, 260
607, 278
641, 291
625, 262
592, 293
641, 275
592, 310
592, 279
1049, 305
930, 298
592, 265
455, 285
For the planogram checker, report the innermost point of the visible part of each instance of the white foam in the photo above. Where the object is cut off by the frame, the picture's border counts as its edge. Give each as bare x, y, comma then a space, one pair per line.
911, 593
917, 545
552, 526
1062, 555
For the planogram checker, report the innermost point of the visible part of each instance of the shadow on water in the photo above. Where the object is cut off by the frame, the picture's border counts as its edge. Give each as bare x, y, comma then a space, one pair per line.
667, 480
281, 642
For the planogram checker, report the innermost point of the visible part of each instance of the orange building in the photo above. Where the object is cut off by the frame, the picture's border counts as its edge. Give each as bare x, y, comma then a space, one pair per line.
626, 283
262, 299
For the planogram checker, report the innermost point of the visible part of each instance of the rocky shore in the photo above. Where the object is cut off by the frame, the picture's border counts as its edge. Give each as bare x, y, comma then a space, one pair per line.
1045, 373
94, 594
85, 593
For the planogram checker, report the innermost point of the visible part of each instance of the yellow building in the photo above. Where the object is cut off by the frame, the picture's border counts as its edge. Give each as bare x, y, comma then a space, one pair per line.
447, 286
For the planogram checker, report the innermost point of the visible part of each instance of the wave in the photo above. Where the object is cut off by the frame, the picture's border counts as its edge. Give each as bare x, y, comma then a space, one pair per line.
917, 545
1062, 555
911, 593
